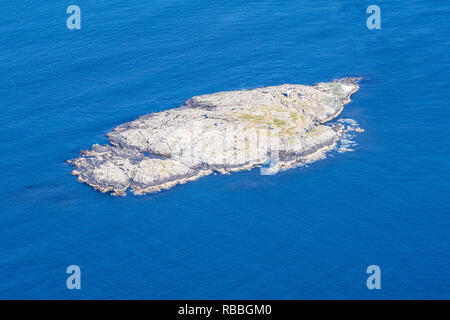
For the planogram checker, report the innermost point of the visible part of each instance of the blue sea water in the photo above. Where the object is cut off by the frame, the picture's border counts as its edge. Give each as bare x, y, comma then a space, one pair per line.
306, 233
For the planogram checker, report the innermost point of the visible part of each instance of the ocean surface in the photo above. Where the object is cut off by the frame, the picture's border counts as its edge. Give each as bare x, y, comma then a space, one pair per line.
305, 233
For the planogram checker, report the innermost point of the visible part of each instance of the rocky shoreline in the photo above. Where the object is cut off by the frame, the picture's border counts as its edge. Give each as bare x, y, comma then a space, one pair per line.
285, 126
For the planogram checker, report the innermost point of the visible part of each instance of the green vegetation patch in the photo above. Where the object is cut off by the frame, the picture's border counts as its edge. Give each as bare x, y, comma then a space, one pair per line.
279, 122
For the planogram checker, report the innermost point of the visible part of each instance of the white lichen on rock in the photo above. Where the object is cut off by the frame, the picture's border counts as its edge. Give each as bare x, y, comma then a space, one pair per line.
221, 132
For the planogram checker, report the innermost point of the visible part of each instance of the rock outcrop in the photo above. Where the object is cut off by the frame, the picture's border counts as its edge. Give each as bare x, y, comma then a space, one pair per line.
284, 125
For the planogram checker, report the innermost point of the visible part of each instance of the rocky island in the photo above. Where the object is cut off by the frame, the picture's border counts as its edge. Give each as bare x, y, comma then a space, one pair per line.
283, 126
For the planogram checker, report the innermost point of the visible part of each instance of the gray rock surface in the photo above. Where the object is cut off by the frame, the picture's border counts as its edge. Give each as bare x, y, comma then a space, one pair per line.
221, 132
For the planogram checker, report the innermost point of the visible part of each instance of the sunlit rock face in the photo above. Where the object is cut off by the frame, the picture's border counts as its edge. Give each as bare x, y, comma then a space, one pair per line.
286, 126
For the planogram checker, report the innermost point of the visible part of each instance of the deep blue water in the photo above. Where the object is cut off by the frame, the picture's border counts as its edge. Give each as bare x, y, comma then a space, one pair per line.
303, 233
